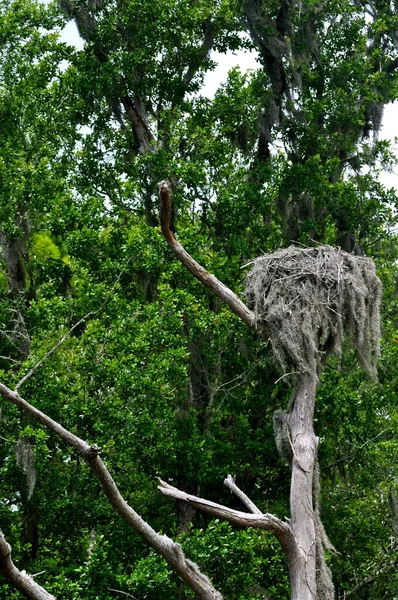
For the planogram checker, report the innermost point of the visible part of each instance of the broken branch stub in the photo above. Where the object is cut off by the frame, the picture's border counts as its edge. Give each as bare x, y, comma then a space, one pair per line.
229, 483
255, 519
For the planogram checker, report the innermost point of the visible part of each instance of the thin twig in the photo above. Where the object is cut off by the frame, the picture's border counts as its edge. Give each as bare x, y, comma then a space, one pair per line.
10, 359
71, 330
240, 376
121, 592
283, 376
6, 440
348, 456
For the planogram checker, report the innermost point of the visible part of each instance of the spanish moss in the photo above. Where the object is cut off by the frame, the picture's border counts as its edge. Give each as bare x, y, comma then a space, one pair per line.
306, 299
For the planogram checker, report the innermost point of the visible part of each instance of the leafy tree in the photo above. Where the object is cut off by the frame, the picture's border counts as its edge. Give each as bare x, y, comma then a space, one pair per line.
153, 368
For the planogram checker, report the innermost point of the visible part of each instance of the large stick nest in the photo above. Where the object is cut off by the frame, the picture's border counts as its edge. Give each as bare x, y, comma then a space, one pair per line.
306, 300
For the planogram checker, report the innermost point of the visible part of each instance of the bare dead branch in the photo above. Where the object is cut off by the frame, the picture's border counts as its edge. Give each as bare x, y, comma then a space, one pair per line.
20, 580
171, 551
10, 359
266, 521
81, 446
208, 279
229, 482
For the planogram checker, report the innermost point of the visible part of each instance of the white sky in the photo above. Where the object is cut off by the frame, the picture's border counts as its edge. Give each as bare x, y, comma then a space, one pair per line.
246, 61
225, 62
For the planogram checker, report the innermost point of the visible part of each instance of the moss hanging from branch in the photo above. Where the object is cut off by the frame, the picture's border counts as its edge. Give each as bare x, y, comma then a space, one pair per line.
306, 299
26, 460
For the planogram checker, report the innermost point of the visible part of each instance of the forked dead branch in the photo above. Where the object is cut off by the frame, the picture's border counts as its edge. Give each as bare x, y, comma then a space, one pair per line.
306, 301
163, 545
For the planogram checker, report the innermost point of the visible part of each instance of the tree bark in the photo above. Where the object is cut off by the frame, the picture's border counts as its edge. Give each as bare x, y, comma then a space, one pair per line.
14, 254
303, 546
208, 279
19, 579
304, 446
14, 251
255, 518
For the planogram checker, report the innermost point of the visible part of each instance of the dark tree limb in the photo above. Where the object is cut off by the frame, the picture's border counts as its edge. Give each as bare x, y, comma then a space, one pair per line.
202, 53
171, 551
14, 251
20, 580
136, 114
209, 280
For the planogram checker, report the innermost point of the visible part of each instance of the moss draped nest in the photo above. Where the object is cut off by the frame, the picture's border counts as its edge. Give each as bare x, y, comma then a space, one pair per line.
306, 299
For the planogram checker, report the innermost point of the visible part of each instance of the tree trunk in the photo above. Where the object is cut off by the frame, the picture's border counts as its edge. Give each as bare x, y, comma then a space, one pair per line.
304, 447
14, 254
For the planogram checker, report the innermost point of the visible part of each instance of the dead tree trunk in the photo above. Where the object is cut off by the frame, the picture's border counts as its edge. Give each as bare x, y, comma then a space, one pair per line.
304, 301
302, 519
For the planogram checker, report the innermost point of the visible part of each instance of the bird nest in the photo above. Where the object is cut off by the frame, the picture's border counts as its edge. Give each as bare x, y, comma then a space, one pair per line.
306, 299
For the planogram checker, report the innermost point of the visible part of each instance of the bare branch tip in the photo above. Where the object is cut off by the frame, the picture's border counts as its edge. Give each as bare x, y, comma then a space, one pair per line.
164, 186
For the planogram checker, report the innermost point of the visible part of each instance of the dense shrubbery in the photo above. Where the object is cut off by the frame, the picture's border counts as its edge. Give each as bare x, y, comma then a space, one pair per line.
160, 375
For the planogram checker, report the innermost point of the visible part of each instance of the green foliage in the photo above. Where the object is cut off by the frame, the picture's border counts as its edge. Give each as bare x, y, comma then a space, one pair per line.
161, 376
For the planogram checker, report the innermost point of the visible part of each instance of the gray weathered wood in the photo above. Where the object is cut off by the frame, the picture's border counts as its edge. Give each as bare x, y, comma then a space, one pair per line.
19, 579
166, 547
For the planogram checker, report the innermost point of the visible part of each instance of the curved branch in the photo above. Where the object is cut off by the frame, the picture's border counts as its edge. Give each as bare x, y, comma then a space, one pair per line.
20, 580
266, 521
171, 551
209, 280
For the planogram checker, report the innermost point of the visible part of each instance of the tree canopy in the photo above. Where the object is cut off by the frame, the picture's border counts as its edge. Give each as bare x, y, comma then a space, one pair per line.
107, 334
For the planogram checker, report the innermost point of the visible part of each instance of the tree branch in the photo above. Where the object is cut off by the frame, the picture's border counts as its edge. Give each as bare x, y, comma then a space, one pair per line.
209, 280
19, 579
266, 521
136, 114
229, 482
202, 53
171, 551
